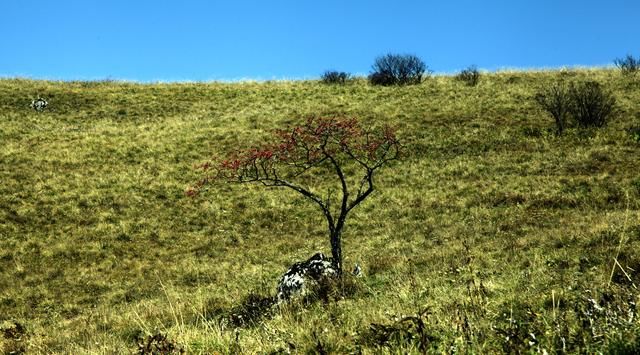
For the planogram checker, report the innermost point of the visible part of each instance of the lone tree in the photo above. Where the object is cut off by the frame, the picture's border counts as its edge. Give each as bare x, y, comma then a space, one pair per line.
332, 148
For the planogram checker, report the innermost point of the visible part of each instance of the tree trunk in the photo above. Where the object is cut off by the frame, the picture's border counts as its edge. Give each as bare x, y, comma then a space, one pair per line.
336, 251
560, 124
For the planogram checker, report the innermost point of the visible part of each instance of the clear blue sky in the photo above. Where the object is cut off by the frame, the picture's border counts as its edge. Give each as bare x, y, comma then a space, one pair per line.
287, 39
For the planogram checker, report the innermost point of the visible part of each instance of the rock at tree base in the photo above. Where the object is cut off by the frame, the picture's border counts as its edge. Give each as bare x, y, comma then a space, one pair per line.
301, 275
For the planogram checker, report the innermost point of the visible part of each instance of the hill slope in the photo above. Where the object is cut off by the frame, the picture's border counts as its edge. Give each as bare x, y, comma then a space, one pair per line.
495, 225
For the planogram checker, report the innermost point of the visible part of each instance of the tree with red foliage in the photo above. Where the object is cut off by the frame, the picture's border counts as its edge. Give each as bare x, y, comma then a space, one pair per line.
335, 145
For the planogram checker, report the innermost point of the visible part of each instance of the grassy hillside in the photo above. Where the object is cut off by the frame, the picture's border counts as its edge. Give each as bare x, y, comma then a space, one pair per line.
507, 234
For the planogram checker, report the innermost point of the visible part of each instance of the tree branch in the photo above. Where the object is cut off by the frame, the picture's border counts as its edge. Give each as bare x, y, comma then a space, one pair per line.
362, 196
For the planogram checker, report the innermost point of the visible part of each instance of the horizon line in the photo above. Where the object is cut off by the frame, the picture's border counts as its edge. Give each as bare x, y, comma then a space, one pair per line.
358, 75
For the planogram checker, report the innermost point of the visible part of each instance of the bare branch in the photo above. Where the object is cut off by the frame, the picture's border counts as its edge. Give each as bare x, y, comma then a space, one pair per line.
362, 196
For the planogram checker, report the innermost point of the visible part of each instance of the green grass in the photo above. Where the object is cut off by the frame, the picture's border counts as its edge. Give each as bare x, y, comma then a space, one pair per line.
492, 222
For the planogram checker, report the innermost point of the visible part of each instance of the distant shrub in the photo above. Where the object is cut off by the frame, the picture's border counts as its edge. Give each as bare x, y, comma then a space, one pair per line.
591, 106
335, 77
628, 65
585, 102
397, 69
556, 101
469, 76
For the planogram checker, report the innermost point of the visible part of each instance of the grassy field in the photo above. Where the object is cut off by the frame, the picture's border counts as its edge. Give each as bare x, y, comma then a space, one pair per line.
509, 237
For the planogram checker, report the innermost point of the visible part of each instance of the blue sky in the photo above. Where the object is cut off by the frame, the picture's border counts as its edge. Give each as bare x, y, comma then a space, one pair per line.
188, 40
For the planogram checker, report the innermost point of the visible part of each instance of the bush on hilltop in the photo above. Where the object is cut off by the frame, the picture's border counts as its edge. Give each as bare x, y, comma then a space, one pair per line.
397, 69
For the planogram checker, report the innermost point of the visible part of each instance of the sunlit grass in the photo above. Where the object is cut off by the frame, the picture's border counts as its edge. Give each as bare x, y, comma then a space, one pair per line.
489, 217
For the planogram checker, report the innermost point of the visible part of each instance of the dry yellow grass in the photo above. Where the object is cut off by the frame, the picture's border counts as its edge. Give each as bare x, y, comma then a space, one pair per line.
492, 222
